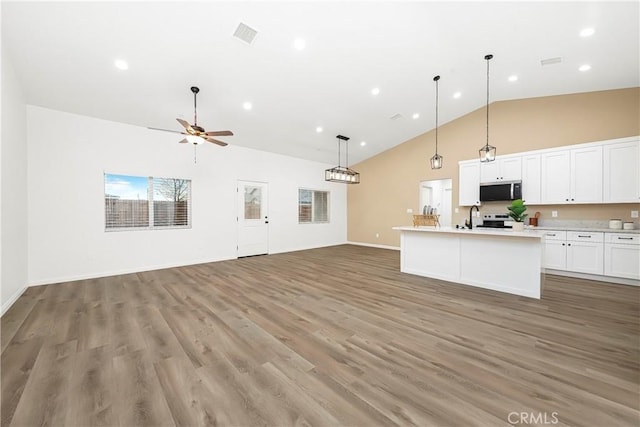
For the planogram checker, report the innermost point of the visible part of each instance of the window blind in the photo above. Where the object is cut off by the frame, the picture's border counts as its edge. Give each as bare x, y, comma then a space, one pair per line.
313, 206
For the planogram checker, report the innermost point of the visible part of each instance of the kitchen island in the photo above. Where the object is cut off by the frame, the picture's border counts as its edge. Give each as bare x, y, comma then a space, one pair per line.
501, 260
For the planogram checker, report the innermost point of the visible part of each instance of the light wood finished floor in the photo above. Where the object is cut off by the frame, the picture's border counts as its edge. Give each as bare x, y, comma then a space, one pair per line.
331, 336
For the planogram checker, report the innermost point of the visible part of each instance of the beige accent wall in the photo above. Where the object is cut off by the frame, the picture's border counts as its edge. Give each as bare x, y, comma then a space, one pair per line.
390, 181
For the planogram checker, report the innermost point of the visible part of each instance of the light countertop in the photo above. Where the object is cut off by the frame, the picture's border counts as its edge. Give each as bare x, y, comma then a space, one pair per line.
534, 234
586, 229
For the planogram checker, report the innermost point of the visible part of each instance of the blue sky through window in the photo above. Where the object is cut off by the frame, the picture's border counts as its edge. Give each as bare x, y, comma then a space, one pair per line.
126, 187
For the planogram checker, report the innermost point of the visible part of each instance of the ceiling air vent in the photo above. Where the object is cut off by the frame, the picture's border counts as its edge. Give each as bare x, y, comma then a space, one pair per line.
245, 33
551, 61
396, 116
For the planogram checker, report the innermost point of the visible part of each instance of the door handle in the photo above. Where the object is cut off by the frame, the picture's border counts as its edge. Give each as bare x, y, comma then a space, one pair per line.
266, 222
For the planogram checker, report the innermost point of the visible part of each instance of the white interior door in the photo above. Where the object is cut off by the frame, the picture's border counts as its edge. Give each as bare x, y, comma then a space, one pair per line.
253, 218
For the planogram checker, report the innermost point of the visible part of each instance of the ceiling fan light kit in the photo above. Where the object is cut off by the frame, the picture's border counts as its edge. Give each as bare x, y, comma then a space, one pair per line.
197, 134
340, 173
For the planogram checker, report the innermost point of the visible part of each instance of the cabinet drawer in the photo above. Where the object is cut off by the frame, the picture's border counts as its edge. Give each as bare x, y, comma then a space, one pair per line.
585, 236
622, 238
555, 235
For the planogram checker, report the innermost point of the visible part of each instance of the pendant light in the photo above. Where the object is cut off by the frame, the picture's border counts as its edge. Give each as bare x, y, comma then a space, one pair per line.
436, 160
342, 173
488, 152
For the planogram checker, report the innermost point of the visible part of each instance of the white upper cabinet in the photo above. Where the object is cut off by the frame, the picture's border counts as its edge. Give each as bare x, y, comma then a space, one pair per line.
469, 183
502, 169
572, 176
586, 175
595, 172
531, 179
622, 172
555, 184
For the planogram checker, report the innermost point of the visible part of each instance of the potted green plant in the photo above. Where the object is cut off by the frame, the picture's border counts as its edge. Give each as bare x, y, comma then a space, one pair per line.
517, 213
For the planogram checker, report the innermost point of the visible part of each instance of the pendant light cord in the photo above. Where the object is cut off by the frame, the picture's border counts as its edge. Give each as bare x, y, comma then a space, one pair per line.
346, 149
339, 156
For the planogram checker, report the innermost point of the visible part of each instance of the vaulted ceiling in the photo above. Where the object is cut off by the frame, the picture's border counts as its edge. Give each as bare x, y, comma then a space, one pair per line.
64, 54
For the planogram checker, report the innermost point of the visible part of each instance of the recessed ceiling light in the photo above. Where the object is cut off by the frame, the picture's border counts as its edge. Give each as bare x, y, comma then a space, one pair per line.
585, 67
457, 95
319, 129
363, 143
586, 32
513, 78
415, 115
299, 44
121, 65
247, 106
375, 91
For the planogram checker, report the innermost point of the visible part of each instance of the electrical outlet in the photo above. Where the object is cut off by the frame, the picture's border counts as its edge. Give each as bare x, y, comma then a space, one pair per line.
634, 214
377, 235
456, 210
554, 214
410, 210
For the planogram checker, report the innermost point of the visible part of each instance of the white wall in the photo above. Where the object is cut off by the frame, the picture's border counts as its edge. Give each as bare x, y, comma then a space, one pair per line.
68, 155
13, 187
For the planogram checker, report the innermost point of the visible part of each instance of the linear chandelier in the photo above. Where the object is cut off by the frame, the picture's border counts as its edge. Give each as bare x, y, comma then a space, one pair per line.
342, 173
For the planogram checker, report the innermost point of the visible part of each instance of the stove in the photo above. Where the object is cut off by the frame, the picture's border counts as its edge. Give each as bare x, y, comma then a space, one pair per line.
496, 221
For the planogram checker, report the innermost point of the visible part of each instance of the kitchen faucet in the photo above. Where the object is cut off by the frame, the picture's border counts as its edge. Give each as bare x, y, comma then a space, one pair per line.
470, 225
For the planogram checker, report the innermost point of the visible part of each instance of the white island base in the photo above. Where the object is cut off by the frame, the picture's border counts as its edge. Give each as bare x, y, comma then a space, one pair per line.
501, 260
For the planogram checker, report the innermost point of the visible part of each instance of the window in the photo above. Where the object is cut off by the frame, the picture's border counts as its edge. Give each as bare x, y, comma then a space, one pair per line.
138, 202
252, 199
313, 206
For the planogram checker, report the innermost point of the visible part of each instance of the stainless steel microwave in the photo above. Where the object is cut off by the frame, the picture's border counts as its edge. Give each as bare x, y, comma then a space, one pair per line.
501, 191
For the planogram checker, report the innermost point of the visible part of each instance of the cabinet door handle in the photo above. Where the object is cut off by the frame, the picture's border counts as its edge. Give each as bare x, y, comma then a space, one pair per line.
625, 238
584, 236
568, 244
563, 244
549, 234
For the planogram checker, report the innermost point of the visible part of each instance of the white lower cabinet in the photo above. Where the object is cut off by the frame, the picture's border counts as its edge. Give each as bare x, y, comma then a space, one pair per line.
622, 255
585, 257
555, 250
581, 252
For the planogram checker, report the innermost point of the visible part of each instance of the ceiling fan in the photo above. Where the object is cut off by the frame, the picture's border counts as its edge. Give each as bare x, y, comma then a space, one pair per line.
194, 133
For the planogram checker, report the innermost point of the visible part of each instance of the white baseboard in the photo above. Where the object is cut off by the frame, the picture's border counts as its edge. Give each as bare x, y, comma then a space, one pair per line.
372, 245
305, 248
618, 280
7, 305
73, 278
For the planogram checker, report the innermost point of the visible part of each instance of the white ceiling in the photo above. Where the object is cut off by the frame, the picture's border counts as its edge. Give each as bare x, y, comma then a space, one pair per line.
64, 54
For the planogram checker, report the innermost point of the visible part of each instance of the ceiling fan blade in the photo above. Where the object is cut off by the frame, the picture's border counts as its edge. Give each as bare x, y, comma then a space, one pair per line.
183, 141
167, 130
215, 141
186, 125
219, 133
